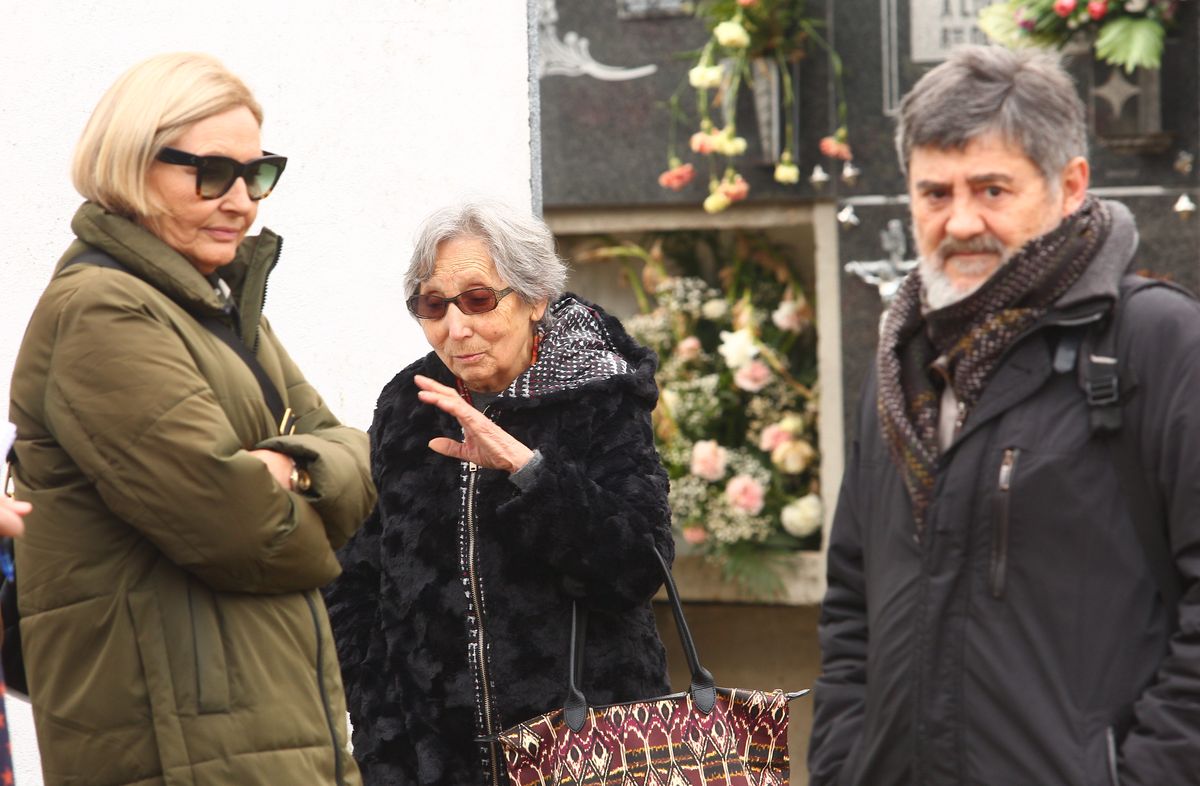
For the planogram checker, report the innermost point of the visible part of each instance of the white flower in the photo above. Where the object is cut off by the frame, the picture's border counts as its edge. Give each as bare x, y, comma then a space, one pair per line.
732, 35
706, 77
737, 348
802, 517
1136, 6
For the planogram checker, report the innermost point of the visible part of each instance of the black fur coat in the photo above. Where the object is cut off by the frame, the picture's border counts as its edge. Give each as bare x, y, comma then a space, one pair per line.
401, 611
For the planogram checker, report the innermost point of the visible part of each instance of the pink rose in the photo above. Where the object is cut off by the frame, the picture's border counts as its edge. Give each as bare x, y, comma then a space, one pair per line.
753, 376
772, 437
677, 177
688, 349
708, 460
745, 493
695, 535
746, 3
1097, 9
1064, 7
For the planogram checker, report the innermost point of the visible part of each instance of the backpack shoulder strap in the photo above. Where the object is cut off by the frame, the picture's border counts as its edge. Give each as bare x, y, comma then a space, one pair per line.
218, 328
1108, 385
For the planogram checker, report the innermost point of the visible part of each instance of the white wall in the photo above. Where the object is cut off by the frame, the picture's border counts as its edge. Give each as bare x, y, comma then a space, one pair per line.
385, 108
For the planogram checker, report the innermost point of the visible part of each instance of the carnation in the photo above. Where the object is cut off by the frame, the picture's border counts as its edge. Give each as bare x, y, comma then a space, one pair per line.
753, 376
732, 35
706, 77
677, 177
745, 493
772, 437
688, 349
791, 315
708, 460
716, 202
787, 173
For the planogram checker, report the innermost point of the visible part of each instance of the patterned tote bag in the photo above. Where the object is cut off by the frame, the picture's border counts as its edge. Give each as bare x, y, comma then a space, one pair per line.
708, 736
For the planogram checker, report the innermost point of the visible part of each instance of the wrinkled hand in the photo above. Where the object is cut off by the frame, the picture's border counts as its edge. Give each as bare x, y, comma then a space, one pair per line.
484, 443
11, 511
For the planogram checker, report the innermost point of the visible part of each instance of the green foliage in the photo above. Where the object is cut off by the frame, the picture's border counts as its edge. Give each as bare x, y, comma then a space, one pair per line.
1127, 34
1131, 42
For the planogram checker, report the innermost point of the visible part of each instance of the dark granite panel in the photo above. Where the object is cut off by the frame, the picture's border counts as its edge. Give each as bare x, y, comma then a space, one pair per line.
604, 142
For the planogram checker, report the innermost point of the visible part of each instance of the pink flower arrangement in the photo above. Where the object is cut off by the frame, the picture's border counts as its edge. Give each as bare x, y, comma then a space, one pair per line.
753, 376
708, 460
745, 493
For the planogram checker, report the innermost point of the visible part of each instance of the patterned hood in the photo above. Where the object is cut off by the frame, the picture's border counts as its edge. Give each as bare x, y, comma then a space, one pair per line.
579, 348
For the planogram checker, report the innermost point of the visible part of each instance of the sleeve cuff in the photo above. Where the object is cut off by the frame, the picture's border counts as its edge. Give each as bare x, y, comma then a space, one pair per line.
527, 475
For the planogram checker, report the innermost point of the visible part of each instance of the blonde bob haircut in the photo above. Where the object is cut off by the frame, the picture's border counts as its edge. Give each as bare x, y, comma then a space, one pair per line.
148, 107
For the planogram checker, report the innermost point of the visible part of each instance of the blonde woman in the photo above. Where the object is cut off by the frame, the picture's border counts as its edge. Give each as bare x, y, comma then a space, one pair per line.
172, 627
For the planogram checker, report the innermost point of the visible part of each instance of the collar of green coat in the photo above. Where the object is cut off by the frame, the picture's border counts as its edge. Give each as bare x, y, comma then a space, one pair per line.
164, 268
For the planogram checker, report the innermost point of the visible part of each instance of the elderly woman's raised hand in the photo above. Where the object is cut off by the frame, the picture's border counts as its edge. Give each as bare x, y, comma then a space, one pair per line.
484, 443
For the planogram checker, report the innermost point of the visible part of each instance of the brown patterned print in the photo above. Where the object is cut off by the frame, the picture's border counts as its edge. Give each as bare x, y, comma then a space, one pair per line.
972, 335
663, 742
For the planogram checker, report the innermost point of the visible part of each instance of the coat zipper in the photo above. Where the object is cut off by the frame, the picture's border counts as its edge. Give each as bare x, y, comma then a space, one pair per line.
339, 778
262, 303
1008, 466
480, 638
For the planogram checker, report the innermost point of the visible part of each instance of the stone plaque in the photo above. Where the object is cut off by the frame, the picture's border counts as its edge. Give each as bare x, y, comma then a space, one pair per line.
650, 9
940, 25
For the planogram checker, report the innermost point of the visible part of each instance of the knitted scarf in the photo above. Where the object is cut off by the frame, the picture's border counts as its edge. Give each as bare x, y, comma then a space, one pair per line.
970, 337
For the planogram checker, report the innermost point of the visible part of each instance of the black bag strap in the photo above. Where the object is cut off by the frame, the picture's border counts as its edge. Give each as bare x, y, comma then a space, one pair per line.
219, 328
703, 687
1108, 386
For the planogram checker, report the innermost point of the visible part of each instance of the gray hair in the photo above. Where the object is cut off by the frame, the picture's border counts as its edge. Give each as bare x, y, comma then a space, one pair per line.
1024, 95
520, 244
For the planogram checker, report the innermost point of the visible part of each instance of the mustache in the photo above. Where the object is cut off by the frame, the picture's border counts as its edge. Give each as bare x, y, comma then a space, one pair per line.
980, 244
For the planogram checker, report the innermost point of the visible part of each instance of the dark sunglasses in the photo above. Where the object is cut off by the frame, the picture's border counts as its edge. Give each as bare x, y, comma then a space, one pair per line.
215, 175
473, 301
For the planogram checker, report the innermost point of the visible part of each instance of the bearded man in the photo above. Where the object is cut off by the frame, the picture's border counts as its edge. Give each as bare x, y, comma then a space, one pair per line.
996, 613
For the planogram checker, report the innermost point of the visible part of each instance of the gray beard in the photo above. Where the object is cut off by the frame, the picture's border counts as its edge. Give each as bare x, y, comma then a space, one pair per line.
938, 291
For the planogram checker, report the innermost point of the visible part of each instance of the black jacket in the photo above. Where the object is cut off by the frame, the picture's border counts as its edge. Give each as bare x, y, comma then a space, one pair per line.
584, 530
1022, 640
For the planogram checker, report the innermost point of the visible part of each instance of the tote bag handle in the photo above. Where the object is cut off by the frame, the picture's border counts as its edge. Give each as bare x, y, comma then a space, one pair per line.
703, 689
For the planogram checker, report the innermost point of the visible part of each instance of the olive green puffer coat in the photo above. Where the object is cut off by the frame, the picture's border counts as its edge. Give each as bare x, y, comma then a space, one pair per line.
173, 631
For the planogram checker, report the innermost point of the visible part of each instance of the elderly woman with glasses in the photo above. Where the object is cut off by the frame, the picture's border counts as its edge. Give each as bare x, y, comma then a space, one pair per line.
517, 475
189, 487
